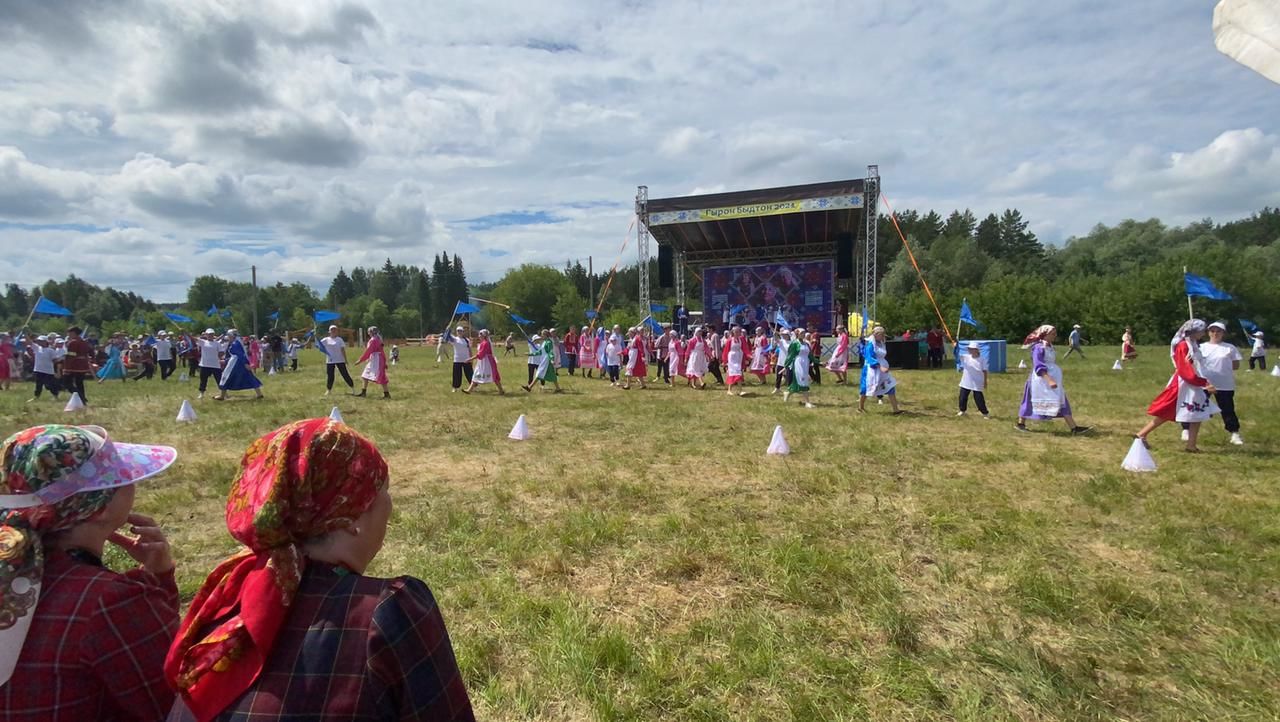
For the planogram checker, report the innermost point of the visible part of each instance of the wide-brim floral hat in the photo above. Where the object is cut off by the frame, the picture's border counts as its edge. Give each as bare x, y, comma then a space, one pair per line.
50, 463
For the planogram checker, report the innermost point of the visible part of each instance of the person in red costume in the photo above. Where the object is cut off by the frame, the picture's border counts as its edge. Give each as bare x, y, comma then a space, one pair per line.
1186, 397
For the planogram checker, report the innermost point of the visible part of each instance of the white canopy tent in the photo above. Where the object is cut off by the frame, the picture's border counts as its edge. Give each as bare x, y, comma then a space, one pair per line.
1248, 31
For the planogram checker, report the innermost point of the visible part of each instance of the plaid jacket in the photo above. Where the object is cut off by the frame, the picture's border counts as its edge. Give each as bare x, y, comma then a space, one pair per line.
355, 648
96, 646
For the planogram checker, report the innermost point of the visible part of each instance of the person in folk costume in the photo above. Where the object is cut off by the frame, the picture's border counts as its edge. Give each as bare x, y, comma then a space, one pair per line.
114, 367
547, 364
876, 379
461, 346
570, 350
255, 354
1220, 360
486, 366
696, 367
1186, 397
636, 353
839, 362
1128, 351
1043, 397
760, 355
815, 356
7, 353
236, 375
376, 369
734, 357
587, 360
671, 351
796, 363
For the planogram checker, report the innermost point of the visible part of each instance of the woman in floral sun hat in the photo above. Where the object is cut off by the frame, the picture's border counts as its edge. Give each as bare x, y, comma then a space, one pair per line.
77, 640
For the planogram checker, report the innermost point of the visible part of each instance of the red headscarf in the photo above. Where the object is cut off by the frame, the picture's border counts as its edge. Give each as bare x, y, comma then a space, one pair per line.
297, 483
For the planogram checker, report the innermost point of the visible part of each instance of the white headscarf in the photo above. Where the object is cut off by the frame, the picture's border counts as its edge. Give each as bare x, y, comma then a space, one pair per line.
1189, 327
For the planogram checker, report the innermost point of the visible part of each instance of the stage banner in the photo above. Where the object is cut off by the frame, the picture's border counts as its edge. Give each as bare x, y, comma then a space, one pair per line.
802, 291
778, 208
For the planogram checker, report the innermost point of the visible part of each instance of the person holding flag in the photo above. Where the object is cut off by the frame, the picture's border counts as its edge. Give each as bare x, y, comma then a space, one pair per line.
1258, 353
839, 362
973, 380
461, 346
797, 365
546, 370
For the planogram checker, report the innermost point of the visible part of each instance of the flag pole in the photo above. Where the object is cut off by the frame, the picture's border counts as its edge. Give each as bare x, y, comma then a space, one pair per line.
27, 323
1190, 313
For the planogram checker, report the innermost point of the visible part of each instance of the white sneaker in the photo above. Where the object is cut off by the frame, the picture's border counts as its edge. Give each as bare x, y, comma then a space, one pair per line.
326, 392
880, 402
986, 417
809, 406
959, 413
1235, 439
1186, 435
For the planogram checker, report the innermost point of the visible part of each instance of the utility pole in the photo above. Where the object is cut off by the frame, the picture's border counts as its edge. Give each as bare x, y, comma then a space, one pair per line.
254, 271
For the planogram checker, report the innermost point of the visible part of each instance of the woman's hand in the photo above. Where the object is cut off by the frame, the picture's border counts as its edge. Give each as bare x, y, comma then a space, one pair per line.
1052, 384
149, 547
1209, 389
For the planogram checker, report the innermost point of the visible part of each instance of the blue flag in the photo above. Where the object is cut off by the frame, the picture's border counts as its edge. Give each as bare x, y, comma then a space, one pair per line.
657, 327
149, 341
1201, 286
657, 308
464, 307
323, 316
519, 319
44, 305
142, 322
213, 311
591, 314
309, 335
864, 322
780, 320
734, 311
177, 317
1249, 327
275, 316
966, 316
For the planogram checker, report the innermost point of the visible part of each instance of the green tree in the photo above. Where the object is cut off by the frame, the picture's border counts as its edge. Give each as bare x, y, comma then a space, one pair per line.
532, 292
341, 289
207, 291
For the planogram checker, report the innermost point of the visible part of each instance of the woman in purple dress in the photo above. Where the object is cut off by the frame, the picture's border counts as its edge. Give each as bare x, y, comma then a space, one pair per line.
1043, 397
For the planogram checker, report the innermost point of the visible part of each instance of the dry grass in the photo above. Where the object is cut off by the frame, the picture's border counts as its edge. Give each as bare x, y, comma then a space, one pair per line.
641, 558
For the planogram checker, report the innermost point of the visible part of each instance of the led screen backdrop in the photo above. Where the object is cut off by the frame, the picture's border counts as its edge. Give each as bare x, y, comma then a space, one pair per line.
802, 291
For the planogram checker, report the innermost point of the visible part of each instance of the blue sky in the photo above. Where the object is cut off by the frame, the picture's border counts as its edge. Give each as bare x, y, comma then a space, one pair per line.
143, 143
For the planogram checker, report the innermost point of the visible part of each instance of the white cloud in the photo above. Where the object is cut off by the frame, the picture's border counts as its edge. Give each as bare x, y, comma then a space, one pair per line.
1237, 172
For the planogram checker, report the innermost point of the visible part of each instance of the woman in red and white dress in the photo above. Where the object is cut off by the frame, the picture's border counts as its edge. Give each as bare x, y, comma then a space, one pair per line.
760, 355
839, 363
486, 366
1186, 397
636, 355
735, 355
671, 356
696, 367
587, 351
376, 369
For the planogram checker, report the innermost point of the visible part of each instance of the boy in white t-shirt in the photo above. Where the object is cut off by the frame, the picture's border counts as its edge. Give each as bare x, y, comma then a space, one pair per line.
1259, 353
973, 380
1219, 362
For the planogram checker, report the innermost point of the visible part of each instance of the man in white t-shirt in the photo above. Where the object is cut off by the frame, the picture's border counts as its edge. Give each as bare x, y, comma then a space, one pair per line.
164, 354
1220, 362
43, 357
210, 359
335, 351
461, 355
973, 380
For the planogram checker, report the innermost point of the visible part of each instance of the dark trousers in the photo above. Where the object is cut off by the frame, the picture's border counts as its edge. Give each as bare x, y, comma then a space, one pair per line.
147, 371
613, 374
193, 366
780, 373
460, 369
342, 369
1261, 360
713, 366
666, 370
1227, 402
293, 364
571, 362
205, 374
532, 370
46, 381
978, 399
166, 368
815, 370
935, 358
74, 383
1074, 349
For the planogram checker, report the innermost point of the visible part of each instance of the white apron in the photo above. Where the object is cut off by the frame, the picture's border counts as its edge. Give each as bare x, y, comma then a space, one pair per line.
372, 369
879, 381
801, 367
483, 373
1045, 401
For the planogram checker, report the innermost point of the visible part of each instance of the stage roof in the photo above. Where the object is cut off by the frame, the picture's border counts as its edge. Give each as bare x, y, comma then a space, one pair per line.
792, 222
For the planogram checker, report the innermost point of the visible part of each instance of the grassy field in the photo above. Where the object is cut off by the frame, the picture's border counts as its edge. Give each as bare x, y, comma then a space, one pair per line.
641, 558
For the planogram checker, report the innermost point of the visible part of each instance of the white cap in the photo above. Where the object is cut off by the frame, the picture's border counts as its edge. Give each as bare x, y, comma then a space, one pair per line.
1258, 334
1218, 325
42, 338
974, 344
459, 329
208, 330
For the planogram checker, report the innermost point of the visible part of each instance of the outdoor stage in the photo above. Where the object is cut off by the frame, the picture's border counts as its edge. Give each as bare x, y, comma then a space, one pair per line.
805, 252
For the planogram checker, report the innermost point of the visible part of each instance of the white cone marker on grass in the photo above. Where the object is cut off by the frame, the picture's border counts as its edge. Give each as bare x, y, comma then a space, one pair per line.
186, 413
183, 376
520, 432
1139, 458
75, 403
1022, 363
336, 415
1275, 370
1117, 366
778, 444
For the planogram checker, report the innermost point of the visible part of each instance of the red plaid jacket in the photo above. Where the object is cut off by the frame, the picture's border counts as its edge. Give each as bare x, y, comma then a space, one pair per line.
355, 648
96, 646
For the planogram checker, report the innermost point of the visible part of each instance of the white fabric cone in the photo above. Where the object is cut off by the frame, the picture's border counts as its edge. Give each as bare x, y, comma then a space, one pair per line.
272, 371
1117, 366
186, 413
75, 403
183, 376
336, 415
1022, 364
1138, 458
1275, 370
778, 445
520, 432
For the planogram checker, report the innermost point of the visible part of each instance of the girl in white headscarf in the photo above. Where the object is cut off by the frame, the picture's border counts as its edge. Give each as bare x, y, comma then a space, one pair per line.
1186, 397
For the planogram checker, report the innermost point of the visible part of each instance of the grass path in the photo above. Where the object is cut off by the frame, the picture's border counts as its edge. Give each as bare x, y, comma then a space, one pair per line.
640, 558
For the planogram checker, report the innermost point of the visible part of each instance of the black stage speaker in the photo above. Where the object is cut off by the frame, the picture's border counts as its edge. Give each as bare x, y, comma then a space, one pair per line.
844, 255
666, 276
902, 354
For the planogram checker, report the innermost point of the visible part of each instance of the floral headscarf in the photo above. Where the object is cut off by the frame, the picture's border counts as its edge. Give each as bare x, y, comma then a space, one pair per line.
34, 459
1184, 331
297, 483
1038, 335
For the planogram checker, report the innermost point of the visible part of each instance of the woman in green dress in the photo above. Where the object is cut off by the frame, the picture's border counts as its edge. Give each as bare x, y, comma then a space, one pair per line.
797, 364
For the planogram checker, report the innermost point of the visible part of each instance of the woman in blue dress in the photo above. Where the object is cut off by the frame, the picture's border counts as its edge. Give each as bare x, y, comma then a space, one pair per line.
114, 367
876, 380
236, 376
